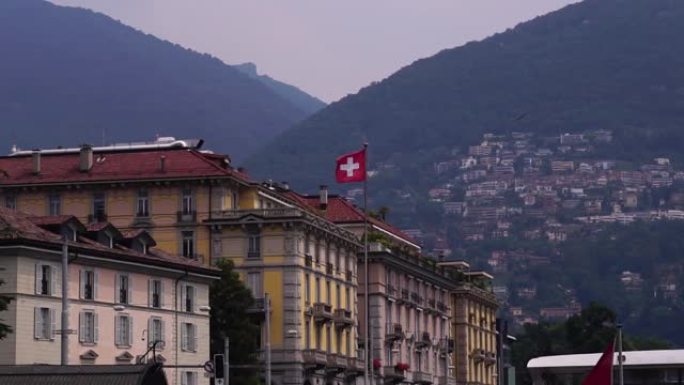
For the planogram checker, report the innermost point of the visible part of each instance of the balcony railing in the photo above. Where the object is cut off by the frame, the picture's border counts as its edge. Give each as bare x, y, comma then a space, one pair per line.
392, 373
422, 378
343, 318
446, 380
424, 341
186, 217
258, 308
354, 365
263, 213
322, 312
314, 358
336, 362
395, 331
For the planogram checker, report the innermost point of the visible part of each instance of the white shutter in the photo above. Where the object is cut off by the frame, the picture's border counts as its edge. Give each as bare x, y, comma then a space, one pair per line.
53, 324
95, 284
38, 274
81, 327
182, 300
184, 337
53, 280
117, 283
150, 332
194, 338
130, 331
117, 331
161, 293
184, 378
82, 283
96, 328
37, 323
150, 285
161, 326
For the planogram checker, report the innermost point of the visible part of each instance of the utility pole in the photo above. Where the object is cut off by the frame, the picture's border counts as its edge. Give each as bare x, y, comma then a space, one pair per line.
267, 310
65, 304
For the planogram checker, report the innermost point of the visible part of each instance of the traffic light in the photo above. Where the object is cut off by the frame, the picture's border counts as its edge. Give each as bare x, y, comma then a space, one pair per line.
219, 374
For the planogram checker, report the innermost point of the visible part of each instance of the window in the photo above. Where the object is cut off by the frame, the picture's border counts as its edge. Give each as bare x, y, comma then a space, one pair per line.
328, 339
254, 283
11, 201
188, 337
187, 203
54, 204
189, 378
234, 200
318, 336
307, 289
346, 298
99, 210
45, 279
188, 299
155, 286
254, 244
88, 284
122, 289
123, 330
188, 244
87, 321
338, 342
143, 205
44, 323
318, 289
307, 244
155, 331
317, 251
307, 334
327, 292
338, 298
337, 259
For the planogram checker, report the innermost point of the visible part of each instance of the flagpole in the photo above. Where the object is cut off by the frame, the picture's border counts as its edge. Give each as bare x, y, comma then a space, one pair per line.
621, 377
367, 338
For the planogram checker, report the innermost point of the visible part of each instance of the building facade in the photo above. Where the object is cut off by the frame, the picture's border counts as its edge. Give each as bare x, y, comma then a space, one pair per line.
307, 266
123, 295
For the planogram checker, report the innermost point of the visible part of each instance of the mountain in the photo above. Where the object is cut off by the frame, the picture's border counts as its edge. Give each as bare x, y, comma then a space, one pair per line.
609, 64
69, 76
305, 102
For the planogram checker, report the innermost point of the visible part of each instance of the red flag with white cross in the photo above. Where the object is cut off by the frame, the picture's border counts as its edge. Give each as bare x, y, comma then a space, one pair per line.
351, 167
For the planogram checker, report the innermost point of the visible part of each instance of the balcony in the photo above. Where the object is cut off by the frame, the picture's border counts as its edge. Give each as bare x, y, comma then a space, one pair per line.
329, 268
322, 312
422, 378
349, 275
393, 374
391, 290
490, 358
441, 306
336, 363
284, 212
431, 303
424, 342
354, 366
186, 217
314, 358
446, 380
446, 345
395, 332
343, 318
258, 308
308, 260
478, 355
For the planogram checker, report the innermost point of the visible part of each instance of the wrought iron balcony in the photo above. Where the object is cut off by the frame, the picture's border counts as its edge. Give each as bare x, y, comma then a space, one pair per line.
322, 312
395, 331
343, 318
283, 212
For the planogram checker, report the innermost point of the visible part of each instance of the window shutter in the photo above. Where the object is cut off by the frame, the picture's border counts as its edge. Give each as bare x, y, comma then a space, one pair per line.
38, 273
194, 338
163, 335
117, 330
53, 324
150, 332
184, 337
95, 274
53, 280
161, 293
37, 323
130, 331
96, 328
182, 300
117, 287
184, 378
150, 286
81, 326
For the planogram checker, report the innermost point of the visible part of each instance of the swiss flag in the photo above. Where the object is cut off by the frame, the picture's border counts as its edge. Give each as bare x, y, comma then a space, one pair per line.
351, 167
602, 373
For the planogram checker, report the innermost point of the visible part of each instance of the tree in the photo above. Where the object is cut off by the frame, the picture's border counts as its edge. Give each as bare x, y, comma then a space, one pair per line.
4, 303
230, 303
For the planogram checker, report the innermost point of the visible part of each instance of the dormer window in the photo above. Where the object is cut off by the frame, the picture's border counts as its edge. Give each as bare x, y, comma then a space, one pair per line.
109, 239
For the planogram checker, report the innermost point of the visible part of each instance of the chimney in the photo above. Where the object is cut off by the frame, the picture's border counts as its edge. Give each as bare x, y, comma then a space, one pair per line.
35, 156
162, 163
323, 197
86, 158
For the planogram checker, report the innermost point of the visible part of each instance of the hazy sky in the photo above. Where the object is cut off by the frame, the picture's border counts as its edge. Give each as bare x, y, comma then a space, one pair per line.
328, 48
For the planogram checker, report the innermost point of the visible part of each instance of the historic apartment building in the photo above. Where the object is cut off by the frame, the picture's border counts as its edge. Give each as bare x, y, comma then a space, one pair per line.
123, 294
307, 265
167, 187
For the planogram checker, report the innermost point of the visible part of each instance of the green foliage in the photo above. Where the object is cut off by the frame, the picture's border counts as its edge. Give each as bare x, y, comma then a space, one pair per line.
119, 84
4, 303
230, 301
589, 332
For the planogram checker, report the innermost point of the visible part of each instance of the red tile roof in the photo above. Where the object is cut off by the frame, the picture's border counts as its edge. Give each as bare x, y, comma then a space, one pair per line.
115, 166
342, 211
16, 227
